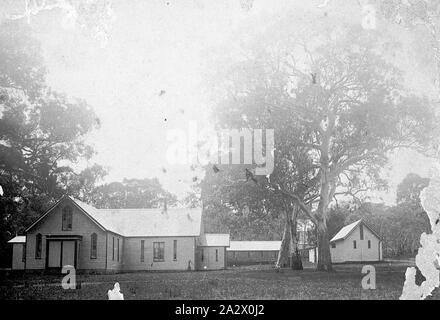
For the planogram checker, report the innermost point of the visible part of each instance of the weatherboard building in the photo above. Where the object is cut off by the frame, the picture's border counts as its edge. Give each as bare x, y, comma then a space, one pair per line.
74, 233
356, 242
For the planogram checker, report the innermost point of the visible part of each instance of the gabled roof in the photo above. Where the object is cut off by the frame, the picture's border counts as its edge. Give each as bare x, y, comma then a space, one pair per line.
345, 231
18, 239
214, 240
76, 202
143, 222
254, 246
348, 229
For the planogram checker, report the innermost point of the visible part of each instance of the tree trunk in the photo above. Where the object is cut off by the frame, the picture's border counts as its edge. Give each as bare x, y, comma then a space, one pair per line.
324, 257
294, 255
283, 254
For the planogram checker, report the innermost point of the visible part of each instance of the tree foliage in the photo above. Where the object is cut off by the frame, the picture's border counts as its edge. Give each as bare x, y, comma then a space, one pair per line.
41, 132
131, 194
343, 104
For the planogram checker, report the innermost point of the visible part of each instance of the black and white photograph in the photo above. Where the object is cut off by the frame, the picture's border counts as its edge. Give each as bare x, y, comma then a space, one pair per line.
233, 151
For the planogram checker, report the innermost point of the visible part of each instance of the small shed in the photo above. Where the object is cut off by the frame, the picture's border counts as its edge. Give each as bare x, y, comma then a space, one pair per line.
356, 242
212, 251
18, 252
253, 252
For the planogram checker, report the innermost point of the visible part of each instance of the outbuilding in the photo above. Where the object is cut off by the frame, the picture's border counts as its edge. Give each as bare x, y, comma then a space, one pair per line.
212, 251
356, 242
251, 252
18, 252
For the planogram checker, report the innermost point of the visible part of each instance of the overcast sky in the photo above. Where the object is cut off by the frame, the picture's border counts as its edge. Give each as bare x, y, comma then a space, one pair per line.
147, 78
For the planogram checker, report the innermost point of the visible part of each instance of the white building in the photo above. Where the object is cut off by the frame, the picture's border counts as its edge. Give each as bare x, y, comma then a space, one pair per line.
18, 252
253, 252
356, 242
74, 233
211, 250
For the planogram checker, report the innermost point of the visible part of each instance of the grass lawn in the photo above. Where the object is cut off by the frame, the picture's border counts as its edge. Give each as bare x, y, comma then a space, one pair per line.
252, 282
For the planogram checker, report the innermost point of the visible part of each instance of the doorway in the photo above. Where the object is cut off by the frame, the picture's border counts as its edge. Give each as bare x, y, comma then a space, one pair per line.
61, 253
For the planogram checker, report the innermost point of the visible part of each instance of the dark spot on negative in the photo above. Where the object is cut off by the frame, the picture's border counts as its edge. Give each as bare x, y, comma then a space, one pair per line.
419, 277
437, 221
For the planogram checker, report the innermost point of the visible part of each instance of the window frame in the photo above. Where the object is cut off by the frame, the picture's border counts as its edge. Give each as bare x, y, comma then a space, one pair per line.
113, 249
66, 219
93, 246
158, 252
142, 250
216, 255
361, 231
369, 244
333, 245
38, 246
118, 251
23, 254
175, 250
354, 244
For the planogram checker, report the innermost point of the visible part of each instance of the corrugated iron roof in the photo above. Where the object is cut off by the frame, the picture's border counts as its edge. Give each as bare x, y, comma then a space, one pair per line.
141, 222
254, 246
214, 240
345, 231
147, 222
18, 239
348, 229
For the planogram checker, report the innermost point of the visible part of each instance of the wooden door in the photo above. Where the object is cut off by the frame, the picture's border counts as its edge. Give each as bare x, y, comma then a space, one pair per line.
54, 254
68, 253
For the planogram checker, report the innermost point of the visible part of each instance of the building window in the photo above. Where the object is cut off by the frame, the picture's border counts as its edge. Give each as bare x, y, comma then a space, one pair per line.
93, 246
118, 250
175, 250
354, 244
23, 257
333, 245
203, 255
158, 251
216, 255
38, 246
369, 244
67, 219
113, 249
142, 250
361, 230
